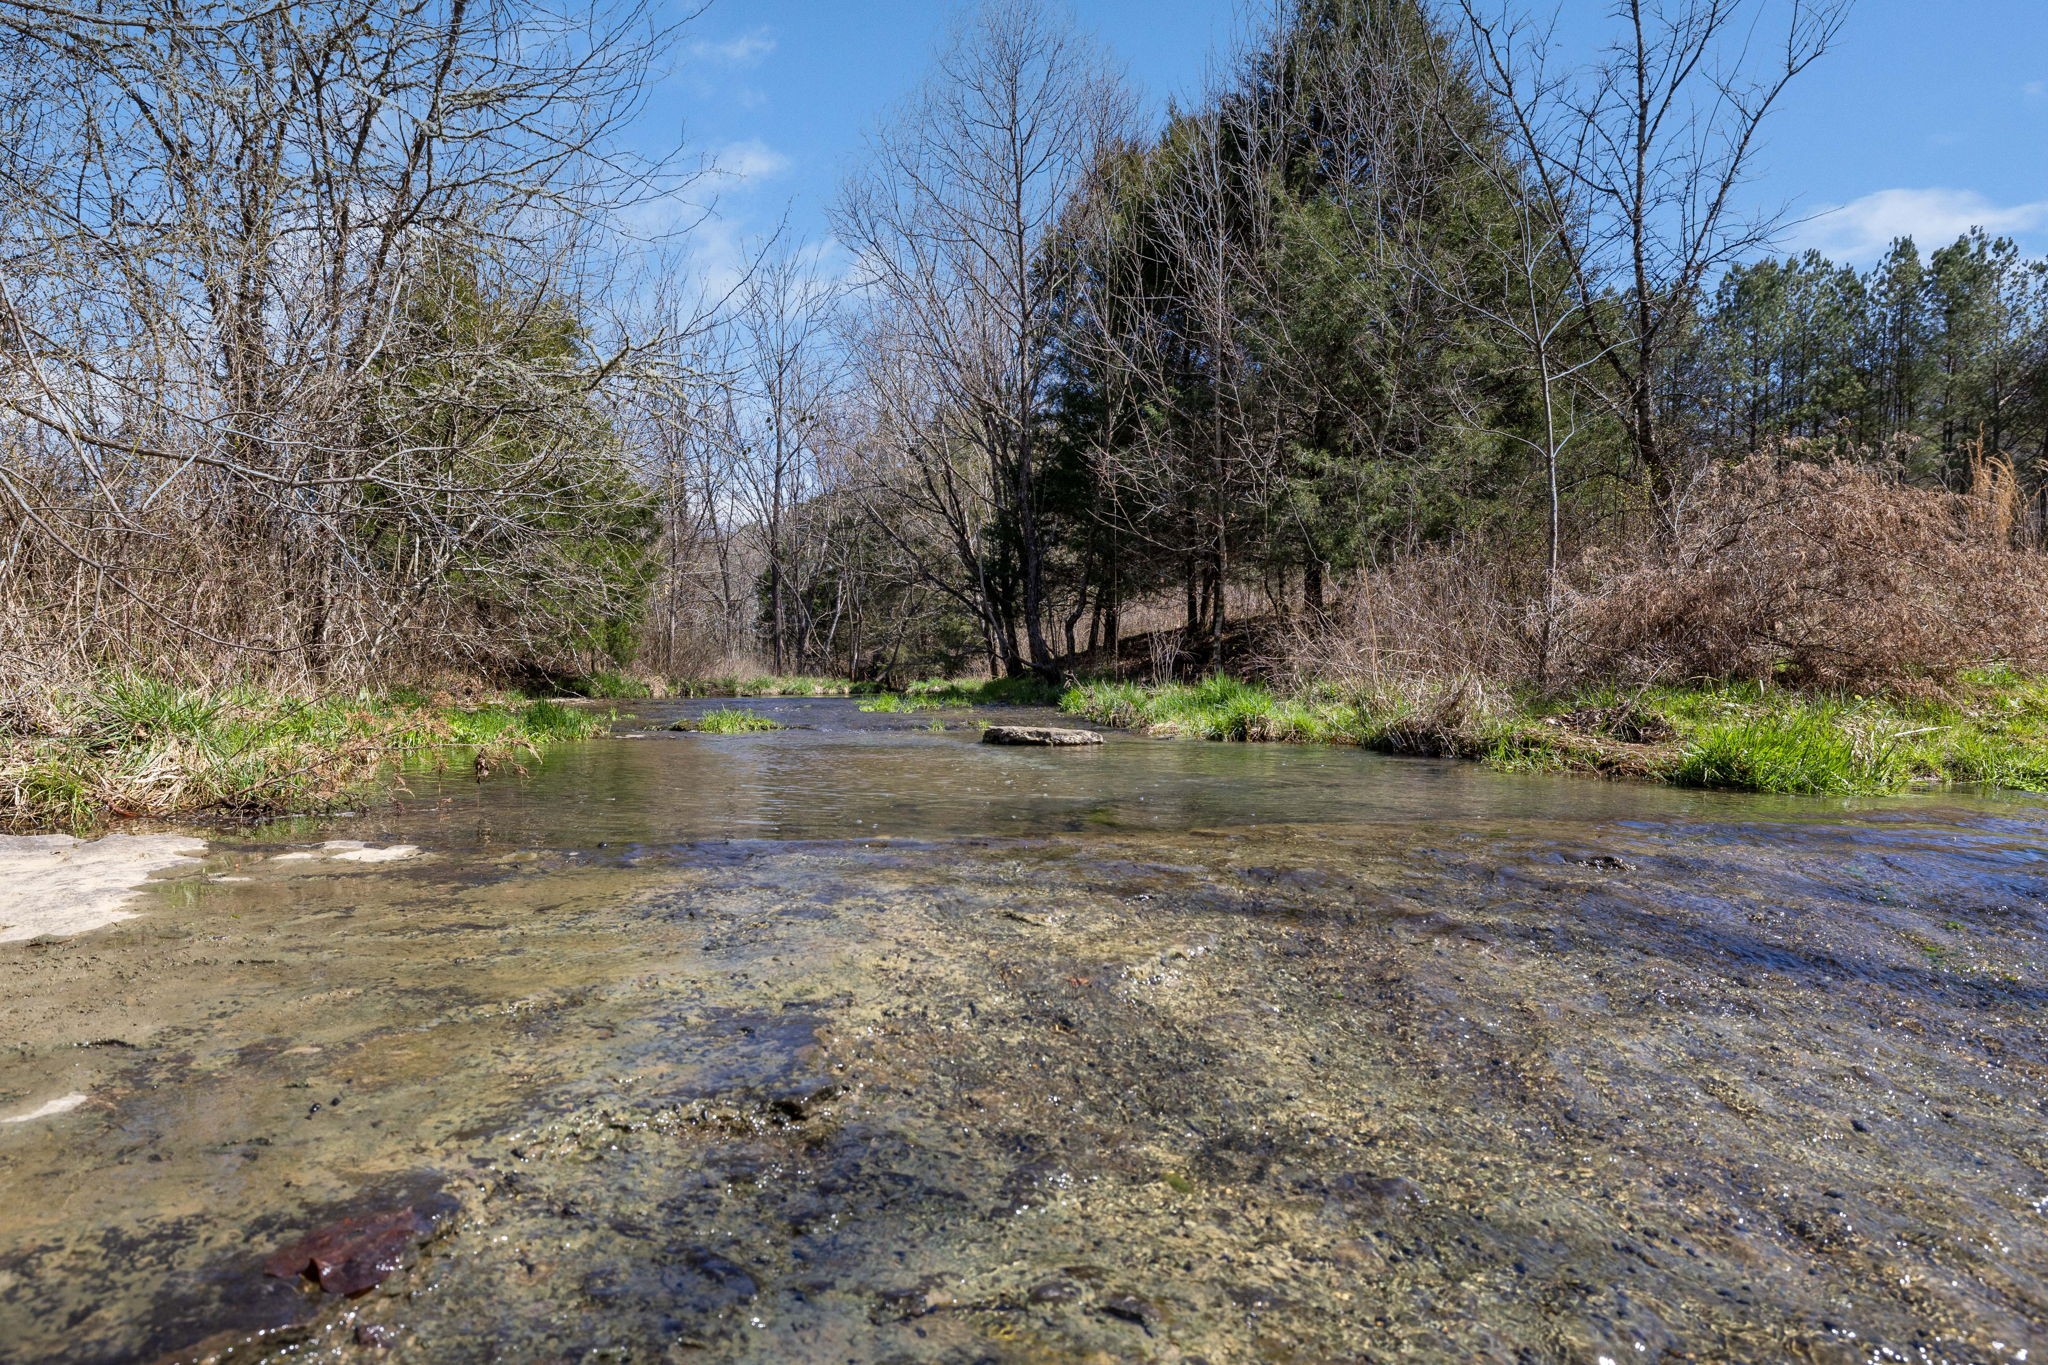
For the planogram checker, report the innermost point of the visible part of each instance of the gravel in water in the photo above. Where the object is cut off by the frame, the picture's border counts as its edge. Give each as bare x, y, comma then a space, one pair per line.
1421, 1063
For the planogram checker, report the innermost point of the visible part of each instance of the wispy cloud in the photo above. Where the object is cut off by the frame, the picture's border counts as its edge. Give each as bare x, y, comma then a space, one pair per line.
2035, 90
750, 162
722, 253
1862, 229
742, 51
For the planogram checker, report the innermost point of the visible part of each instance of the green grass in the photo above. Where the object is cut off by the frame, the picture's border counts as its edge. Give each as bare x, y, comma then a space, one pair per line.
129, 745
1991, 728
1219, 709
924, 694
1234, 711
1024, 691
933, 694
728, 720
894, 703
1820, 749
738, 685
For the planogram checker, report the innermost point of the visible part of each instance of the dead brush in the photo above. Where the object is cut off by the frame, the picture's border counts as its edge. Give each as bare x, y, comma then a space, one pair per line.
1826, 576
1465, 611
1626, 721
1996, 502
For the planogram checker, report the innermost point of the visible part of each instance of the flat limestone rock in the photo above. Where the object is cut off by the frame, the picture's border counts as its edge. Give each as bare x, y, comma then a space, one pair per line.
57, 885
1042, 736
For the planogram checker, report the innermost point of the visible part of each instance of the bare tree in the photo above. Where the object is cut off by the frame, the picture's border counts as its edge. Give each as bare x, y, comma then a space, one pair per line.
949, 220
1513, 280
308, 290
1637, 160
789, 369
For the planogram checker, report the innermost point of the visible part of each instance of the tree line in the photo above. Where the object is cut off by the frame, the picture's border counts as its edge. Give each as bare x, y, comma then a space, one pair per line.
1938, 352
327, 338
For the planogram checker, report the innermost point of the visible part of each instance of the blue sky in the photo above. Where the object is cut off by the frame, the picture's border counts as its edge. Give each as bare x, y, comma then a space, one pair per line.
1930, 115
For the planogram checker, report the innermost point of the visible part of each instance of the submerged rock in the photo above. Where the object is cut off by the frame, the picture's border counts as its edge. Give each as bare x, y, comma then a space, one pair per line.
357, 1254
1054, 1291
349, 851
51, 1108
1042, 736
1380, 1193
1132, 1308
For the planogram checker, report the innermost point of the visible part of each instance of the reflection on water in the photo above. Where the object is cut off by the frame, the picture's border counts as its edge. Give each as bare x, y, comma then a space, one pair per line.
840, 773
862, 1041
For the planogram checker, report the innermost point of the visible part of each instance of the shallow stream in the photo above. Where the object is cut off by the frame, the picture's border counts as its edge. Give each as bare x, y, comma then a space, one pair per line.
861, 1041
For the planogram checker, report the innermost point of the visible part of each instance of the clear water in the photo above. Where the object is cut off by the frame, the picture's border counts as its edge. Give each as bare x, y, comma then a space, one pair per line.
861, 1041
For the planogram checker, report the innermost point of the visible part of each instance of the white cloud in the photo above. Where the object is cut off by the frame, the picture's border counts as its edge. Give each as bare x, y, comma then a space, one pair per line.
2035, 90
723, 252
750, 161
745, 50
1861, 230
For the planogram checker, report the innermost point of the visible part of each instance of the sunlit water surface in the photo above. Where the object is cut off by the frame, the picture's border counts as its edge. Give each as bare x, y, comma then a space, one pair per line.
861, 1041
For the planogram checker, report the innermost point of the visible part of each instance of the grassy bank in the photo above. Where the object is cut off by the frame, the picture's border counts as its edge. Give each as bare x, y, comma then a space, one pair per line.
126, 747
937, 693
772, 685
923, 695
1989, 728
618, 686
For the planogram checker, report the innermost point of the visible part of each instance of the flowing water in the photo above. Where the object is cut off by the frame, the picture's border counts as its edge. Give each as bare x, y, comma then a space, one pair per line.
861, 1041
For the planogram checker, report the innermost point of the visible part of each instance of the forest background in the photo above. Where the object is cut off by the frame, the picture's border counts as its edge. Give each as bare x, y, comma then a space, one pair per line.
1418, 355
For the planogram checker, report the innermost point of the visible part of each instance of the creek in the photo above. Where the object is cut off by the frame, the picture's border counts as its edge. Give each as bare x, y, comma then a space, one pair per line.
862, 1041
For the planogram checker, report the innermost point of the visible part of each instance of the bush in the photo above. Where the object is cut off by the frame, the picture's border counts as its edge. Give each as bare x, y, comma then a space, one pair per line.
1821, 576
1457, 615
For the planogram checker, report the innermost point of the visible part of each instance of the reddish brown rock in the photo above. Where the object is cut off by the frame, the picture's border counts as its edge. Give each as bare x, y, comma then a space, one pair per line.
356, 1254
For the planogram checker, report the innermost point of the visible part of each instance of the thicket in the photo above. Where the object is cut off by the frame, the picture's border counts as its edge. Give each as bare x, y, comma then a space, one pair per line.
311, 360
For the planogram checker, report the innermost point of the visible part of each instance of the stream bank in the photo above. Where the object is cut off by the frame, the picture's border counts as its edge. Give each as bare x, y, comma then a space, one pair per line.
131, 747
1989, 727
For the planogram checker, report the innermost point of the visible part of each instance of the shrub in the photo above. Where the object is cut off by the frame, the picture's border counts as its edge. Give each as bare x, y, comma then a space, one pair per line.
1464, 614
1830, 576
1823, 576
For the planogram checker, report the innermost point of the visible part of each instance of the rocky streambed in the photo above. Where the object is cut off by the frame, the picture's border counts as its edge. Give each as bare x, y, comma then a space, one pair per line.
866, 1042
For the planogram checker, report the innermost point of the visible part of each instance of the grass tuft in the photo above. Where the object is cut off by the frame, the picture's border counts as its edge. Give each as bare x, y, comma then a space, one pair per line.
729, 720
737, 685
1816, 750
